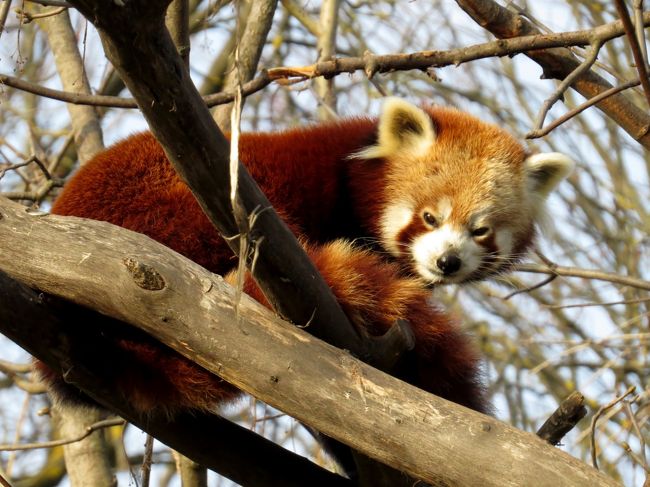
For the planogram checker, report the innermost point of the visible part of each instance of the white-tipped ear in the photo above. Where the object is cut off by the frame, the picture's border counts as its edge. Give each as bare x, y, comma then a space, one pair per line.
544, 171
403, 127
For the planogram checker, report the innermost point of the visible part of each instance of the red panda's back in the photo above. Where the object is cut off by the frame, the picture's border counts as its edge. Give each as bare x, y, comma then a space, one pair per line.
132, 185
301, 171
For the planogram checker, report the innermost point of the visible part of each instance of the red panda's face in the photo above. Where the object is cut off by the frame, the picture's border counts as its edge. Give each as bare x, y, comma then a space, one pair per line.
461, 197
446, 242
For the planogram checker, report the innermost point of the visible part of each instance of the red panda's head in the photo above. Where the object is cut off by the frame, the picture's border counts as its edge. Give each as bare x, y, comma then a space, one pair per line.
461, 196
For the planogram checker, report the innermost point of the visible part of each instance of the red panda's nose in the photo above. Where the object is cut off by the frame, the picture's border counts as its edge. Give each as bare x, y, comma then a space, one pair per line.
449, 263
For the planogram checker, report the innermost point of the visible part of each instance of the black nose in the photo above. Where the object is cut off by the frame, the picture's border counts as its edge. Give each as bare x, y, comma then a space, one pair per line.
449, 263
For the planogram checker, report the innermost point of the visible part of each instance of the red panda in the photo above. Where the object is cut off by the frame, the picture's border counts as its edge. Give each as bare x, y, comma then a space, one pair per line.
448, 197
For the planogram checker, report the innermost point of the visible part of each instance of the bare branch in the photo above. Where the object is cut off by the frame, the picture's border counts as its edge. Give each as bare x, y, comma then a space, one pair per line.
371, 64
598, 414
634, 45
564, 419
145, 471
177, 21
533, 134
106, 423
27, 17
327, 50
566, 83
586, 274
251, 40
303, 17
11, 368
559, 63
52, 3
637, 5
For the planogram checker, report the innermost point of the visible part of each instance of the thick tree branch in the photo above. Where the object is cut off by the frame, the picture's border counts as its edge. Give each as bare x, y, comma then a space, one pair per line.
559, 63
192, 311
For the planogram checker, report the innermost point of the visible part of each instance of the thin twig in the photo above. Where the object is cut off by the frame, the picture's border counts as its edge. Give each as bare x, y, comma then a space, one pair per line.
585, 274
18, 165
19, 426
28, 17
598, 414
147, 460
533, 134
634, 45
586, 305
52, 3
567, 82
635, 458
637, 429
107, 423
528, 289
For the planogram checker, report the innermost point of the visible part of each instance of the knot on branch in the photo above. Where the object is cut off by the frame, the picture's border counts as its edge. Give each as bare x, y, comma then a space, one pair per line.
371, 66
144, 275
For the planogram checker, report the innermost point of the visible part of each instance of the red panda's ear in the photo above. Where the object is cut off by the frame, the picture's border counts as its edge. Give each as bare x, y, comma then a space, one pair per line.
544, 171
403, 128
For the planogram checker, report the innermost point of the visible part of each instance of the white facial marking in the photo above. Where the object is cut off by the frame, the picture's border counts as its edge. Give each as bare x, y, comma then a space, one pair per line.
394, 219
429, 247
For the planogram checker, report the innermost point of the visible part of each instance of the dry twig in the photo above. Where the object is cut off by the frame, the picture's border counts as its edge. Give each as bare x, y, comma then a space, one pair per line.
598, 414
66, 441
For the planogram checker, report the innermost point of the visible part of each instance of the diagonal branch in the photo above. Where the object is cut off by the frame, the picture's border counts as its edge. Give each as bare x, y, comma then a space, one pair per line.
639, 60
558, 63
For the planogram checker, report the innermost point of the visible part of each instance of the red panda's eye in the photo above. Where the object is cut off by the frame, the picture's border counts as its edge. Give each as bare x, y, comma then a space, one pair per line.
480, 231
429, 219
